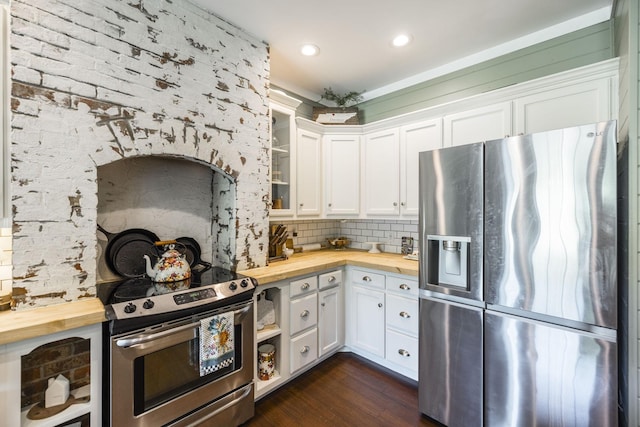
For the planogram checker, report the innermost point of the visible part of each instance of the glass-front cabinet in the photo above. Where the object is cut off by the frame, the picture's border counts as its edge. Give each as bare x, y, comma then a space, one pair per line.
283, 143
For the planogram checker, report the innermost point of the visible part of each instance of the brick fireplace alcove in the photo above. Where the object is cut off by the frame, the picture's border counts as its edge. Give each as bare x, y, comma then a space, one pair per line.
99, 82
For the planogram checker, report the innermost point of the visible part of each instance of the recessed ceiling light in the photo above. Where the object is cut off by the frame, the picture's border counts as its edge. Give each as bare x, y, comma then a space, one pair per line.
401, 40
309, 50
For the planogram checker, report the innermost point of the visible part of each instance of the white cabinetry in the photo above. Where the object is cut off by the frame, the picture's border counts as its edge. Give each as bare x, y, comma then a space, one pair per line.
476, 125
309, 325
383, 319
330, 313
283, 153
567, 105
342, 174
402, 322
381, 172
303, 309
415, 138
309, 173
366, 311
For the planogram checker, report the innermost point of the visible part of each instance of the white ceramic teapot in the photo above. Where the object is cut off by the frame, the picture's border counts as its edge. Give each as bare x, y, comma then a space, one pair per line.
172, 265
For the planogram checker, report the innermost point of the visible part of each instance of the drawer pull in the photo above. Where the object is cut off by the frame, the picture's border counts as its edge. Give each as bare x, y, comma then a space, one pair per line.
380, 304
305, 349
404, 353
331, 279
366, 279
405, 287
305, 286
322, 304
305, 313
405, 314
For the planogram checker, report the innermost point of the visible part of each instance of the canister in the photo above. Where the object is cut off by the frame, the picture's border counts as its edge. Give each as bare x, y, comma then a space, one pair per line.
266, 361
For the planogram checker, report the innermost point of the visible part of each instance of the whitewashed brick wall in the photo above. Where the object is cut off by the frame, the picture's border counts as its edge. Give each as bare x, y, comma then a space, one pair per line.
95, 81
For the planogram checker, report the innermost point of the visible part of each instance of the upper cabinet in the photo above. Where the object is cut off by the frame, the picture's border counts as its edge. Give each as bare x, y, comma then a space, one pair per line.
414, 138
480, 124
342, 174
381, 172
283, 150
309, 173
563, 106
371, 171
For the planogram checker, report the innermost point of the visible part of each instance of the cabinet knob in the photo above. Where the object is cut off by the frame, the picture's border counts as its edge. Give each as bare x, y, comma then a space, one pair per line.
305, 349
322, 304
404, 353
332, 279
380, 304
402, 204
405, 314
405, 287
395, 203
305, 286
301, 204
366, 279
330, 205
305, 313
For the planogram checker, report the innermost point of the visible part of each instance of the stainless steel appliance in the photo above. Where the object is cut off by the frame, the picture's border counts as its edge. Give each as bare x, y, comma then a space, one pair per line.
154, 347
518, 281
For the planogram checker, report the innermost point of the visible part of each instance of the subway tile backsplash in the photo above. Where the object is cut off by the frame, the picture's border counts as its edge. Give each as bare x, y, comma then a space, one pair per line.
360, 231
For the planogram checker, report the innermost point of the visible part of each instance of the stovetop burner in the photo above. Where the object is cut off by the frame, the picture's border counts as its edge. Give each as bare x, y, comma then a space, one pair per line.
140, 298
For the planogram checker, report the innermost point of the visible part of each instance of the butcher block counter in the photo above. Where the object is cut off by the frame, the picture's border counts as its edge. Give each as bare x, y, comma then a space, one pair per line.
30, 323
311, 262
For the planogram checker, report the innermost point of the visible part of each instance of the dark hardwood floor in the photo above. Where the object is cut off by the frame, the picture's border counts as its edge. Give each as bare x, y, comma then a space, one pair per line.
344, 390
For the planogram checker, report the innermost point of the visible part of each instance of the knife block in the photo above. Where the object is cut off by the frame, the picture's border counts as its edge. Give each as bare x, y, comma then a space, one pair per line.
277, 238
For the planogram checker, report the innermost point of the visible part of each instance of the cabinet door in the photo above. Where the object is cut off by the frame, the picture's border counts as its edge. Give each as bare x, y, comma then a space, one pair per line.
381, 173
342, 174
282, 165
480, 124
330, 324
415, 138
368, 320
578, 104
309, 173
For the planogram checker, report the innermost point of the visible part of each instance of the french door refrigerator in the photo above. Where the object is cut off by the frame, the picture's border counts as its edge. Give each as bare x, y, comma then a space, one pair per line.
518, 280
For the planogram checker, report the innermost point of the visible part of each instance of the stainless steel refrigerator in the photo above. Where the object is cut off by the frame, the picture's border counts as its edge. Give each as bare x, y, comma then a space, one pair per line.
518, 280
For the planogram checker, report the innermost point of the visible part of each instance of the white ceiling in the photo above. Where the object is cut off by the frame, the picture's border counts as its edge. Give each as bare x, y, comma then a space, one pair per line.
354, 36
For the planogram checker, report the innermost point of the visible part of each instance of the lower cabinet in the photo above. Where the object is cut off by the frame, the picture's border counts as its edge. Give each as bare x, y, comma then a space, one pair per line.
383, 319
303, 320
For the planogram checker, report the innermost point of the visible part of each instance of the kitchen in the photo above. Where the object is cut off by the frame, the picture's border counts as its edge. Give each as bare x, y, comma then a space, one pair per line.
151, 122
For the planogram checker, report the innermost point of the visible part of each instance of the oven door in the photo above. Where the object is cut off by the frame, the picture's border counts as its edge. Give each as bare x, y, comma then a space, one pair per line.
156, 376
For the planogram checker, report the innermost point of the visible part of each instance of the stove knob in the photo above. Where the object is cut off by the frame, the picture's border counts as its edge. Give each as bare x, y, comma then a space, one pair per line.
130, 308
244, 283
233, 286
148, 304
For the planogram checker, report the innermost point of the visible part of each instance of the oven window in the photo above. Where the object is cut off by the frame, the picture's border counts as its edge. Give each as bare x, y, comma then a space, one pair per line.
172, 371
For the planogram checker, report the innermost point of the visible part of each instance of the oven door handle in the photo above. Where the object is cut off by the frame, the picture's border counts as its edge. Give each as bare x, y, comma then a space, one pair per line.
143, 338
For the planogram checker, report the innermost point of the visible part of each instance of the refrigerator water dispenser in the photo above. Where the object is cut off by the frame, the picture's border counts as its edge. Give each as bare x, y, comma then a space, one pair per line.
449, 256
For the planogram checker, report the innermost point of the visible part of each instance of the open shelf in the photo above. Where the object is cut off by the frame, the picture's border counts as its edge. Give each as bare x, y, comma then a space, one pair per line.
269, 331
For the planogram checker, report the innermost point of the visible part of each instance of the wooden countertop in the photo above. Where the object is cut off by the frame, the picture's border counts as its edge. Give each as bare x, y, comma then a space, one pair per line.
312, 262
30, 323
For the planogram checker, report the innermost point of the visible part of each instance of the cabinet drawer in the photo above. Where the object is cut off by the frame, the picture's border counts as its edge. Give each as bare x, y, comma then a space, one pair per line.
332, 278
402, 286
304, 349
303, 286
402, 314
371, 280
402, 350
303, 313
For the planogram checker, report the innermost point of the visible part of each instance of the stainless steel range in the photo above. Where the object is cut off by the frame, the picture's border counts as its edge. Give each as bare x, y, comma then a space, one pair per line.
179, 353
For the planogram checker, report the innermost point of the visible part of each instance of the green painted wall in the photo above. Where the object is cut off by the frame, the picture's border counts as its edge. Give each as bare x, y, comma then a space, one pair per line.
583, 47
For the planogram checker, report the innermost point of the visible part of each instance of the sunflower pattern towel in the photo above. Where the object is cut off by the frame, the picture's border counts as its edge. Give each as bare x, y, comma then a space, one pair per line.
216, 343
